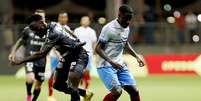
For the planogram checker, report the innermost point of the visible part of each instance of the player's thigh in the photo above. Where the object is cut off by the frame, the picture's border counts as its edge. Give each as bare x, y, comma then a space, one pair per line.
61, 74
109, 77
79, 65
125, 77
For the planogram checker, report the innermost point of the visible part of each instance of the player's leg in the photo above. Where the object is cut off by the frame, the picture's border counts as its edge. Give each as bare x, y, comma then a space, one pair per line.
37, 90
75, 75
61, 76
50, 85
85, 81
40, 77
129, 85
53, 64
133, 92
109, 77
29, 79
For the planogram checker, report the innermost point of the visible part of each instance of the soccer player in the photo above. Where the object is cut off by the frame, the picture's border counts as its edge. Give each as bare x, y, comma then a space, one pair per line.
73, 54
34, 69
111, 68
62, 27
86, 34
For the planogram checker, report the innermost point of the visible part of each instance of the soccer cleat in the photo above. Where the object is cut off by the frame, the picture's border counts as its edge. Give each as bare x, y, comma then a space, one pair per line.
51, 98
28, 98
88, 96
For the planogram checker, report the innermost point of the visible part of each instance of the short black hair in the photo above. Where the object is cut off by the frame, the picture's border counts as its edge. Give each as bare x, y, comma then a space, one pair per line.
34, 17
125, 9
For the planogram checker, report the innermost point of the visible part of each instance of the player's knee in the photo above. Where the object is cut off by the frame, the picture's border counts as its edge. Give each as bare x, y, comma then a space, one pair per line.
30, 77
38, 84
117, 91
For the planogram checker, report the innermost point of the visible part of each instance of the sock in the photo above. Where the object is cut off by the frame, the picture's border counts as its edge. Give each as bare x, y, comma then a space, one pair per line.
82, 92
50, 86
110, 97
85, 79
36, 94
135, 97
75, 96
28, 87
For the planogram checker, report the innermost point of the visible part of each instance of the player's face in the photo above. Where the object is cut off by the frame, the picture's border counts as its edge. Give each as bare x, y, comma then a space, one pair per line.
125, 19
63, 19
38, 25
85, 21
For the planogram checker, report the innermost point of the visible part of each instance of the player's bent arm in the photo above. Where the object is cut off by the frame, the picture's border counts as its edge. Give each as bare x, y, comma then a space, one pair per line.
101, 53
42, 53
131, 51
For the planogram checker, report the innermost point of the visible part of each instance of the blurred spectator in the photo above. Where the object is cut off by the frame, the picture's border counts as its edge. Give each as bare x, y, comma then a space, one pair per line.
191, 24
88, 35
180, 23
6, 12
147, 28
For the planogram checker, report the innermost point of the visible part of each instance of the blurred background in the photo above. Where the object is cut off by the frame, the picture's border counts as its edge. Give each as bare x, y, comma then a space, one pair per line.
158, 26
166, 33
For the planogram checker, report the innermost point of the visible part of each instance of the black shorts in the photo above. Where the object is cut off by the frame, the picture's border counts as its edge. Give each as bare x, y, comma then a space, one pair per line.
39, 71
79, 63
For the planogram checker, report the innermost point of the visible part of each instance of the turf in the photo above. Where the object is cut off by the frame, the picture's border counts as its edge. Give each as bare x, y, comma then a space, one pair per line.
152, 88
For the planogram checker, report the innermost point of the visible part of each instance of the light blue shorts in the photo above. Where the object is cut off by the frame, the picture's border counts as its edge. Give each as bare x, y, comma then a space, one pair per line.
90, 63
53, 62
112, 77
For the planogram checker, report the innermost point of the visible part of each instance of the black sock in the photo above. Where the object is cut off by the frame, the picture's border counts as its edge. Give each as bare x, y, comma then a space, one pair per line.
75, 96
36, 94
82, 92
29, 86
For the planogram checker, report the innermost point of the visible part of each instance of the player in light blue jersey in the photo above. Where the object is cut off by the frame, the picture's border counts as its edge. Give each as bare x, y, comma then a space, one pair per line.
111, 68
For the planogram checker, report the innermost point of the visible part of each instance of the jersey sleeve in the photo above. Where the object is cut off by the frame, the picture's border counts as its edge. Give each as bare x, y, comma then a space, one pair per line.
57, 38
104, 36
24, 33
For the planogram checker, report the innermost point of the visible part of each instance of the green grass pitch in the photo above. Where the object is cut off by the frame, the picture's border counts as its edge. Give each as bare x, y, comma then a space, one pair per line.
152, 88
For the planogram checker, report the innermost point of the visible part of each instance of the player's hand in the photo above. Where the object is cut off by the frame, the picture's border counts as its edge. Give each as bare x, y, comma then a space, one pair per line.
141, 63
116, 65
15, 62
11, 57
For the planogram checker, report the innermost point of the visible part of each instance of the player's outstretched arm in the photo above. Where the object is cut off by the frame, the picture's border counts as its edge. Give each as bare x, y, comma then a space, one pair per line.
101, 53
134, 54
42, 53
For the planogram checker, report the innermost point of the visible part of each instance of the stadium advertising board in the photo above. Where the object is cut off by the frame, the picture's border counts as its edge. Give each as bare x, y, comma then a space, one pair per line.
173, 64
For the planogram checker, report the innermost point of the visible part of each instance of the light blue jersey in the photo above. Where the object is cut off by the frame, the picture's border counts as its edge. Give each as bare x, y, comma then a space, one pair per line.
115, 38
